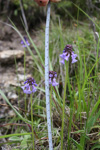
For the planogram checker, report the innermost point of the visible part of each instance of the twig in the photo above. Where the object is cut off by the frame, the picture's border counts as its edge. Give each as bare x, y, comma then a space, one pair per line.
47, 76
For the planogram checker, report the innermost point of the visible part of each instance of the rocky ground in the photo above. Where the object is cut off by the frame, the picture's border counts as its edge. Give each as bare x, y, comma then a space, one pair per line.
11, 73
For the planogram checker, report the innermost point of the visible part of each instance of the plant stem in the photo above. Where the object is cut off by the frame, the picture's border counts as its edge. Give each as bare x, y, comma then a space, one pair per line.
63, 113
51, 107
47, 76
24, 62
32, 121
23, 14
24, 77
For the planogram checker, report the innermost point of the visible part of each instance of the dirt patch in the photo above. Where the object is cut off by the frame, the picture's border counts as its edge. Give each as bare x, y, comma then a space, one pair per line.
11, 74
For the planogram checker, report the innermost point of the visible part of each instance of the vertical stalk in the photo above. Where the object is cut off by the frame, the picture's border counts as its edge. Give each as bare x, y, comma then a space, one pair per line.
51, 107
23, 14
63, 113
24, 75
47, 76
24, 62
32, 122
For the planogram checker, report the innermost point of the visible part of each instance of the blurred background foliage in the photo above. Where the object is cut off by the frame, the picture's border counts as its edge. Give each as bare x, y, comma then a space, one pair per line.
35, 15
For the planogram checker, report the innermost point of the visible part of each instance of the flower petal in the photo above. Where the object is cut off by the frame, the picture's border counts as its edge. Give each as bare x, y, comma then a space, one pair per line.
62, 61
50, 75
74, 60
67, 57
54, 83
33, 88
50, 82
26, 89
73, 55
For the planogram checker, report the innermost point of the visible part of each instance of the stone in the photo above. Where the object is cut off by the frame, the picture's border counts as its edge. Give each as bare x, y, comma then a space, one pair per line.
12, 96
7, 56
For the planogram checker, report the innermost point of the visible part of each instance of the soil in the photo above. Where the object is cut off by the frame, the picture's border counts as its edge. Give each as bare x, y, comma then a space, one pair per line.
10, 78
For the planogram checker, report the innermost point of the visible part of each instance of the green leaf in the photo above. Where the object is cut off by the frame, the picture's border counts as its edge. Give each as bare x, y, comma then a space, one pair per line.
96, 146
15, 138
27, 137
92, 121
16, 12
95, 108
79, 131
25, 6
24, 143
16, 134
77, 144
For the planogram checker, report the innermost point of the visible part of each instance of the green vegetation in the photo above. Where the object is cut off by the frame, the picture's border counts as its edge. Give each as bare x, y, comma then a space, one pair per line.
82, 102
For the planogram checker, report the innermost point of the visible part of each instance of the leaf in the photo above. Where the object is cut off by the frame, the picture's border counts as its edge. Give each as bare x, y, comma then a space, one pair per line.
24, 143
77, 144
96, 146
16, 134
16, 12
25, 6
27, 137
79, 131
95, 107
92, 121
15, 138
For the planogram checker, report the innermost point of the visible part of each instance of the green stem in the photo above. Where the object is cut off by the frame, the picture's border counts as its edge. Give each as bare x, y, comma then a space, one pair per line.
32, 122
70, 122
57, 105
71, 111
17, 81
24, 63
24, 78
59, 99
51, 107
63, 113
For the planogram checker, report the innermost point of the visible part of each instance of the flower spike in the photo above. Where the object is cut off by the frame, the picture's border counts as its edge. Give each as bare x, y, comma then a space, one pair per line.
25, 44
52, 78
67, 54
29, 86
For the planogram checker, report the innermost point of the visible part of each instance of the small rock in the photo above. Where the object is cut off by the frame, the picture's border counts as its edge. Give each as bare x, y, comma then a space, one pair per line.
12, 96
21, 77
11, 113
10, 55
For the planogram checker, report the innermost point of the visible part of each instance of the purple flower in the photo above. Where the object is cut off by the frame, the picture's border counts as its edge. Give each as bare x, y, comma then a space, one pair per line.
25, 44
29, 86
52, 78
67, 54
